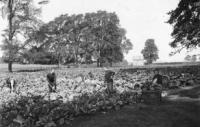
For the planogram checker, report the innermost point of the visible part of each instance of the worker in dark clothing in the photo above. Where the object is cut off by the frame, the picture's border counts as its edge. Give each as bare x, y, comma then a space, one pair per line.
10, 83
51, 78
157, 80
108, 79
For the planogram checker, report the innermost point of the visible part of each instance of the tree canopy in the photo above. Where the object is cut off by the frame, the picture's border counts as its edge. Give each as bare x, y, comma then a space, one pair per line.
185, 20
83, 36
78, 38
188, 58
150, 51
23, 19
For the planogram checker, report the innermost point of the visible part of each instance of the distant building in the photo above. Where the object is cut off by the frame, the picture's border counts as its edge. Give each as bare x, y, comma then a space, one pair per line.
138, 61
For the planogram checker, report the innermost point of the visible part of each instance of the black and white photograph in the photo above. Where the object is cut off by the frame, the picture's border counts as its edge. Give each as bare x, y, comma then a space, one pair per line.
99, 63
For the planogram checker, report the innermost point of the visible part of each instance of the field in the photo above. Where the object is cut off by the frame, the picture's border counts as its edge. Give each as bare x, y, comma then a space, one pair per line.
21, 67
81, 101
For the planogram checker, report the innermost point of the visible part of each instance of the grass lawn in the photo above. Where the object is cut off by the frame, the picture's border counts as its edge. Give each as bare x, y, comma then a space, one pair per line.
38, 67
25, 67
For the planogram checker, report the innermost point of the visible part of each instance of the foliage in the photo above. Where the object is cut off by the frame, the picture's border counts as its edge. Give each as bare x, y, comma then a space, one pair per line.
188, 58
194, 58
82, 37
23, 19
38, 112
38, 55
32, 106
185, 20
150, 51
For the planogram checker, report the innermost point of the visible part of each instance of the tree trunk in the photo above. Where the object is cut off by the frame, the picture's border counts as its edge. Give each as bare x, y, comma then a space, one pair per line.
98, 62
76, 61
58, 64
59, 61
101, 58
110, 63
10, 66
10, 7
101, 63
76, 55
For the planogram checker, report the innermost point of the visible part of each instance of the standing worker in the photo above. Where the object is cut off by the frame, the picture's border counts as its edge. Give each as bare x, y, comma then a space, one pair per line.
157, 80
51, 78
108, 80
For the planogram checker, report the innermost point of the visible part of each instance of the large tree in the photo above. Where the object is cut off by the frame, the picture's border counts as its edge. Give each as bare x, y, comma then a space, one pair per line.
185, 20
188, 58
109, 37
194, 58
22, 18
150, 51
56, 38
96, 35
60, 34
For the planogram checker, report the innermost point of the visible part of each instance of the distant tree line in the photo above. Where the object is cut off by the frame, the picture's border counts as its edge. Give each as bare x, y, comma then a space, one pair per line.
191, 58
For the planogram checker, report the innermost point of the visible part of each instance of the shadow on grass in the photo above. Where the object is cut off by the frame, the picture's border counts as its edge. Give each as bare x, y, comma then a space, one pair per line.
37, 69
31, 70
192, 93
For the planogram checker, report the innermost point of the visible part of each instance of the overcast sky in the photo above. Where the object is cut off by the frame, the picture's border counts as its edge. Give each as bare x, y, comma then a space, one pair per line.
142, 19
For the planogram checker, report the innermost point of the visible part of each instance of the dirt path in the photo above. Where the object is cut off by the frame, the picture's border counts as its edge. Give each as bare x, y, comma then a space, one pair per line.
180, 111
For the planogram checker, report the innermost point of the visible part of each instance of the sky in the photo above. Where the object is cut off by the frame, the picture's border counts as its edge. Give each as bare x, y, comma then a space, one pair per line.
142, 19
